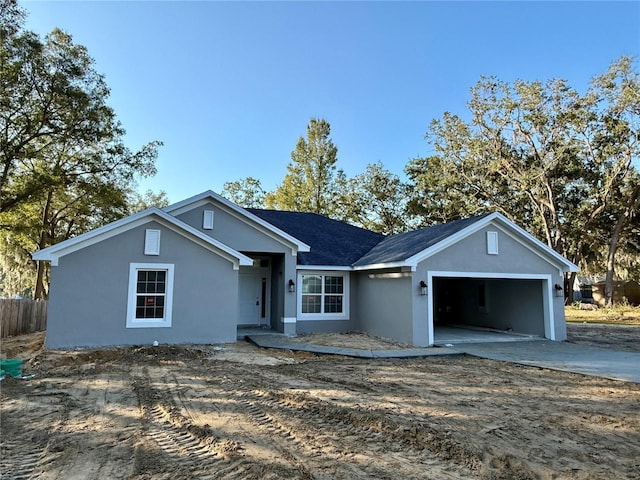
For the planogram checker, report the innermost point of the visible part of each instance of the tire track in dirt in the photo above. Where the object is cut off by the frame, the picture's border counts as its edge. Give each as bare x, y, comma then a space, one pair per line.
375, 426
427, 438
376, 429
21, 457
23, 452
170, 422
193, 448
307, 428
285, 442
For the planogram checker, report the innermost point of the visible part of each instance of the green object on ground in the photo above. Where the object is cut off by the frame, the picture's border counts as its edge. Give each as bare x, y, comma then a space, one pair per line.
12, 366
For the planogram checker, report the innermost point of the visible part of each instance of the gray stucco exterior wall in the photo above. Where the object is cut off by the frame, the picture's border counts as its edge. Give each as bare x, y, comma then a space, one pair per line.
384, 306
251, 239
232, 231
90, 287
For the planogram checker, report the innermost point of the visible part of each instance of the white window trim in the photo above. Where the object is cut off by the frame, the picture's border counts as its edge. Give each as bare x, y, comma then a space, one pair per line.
152, 242
324, 316
132, 321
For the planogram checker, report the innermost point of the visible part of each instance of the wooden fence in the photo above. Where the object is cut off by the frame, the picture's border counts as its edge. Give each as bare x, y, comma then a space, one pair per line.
22, 316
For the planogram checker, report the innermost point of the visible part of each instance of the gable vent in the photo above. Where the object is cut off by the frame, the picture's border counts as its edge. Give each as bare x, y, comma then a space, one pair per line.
152, 242
492, 243
207, 220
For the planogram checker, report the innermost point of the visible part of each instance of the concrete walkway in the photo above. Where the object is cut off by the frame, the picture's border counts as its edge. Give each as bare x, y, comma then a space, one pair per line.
284, 343
567, 357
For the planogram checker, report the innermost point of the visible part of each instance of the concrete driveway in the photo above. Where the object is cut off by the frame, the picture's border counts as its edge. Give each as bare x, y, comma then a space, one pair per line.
507, 347
564, 356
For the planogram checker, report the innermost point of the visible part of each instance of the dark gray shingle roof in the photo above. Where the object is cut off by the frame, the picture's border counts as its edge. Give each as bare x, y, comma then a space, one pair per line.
337, 243
400, 247
332, 242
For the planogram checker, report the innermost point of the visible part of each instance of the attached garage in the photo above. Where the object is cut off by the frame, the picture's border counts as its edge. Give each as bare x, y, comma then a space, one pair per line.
512, 303
481, 273
491, 275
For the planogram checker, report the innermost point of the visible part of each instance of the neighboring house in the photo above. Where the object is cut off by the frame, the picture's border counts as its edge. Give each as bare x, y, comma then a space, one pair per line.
624, 291
196, 271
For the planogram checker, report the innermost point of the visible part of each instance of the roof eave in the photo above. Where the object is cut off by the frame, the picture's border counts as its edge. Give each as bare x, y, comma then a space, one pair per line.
55, 252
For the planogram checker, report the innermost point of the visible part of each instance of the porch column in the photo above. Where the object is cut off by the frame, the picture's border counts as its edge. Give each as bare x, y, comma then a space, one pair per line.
288, 321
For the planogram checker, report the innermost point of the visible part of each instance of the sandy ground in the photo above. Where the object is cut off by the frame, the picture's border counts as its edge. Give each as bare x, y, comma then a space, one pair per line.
238, 412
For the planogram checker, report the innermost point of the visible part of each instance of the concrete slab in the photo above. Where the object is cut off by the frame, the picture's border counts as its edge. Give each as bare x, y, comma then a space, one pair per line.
445, 335
244, 332
284, 343
523, 350
562, 356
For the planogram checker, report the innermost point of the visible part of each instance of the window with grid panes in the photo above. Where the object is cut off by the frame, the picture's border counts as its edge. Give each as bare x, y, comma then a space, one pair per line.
323, 294
150, 295
151, 288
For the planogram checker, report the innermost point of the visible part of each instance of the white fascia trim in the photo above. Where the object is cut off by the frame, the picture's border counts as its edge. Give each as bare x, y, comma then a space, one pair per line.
561, 261
324, 268
540, 247
54, 252
498, 275
549, 327
238, 212
378, 266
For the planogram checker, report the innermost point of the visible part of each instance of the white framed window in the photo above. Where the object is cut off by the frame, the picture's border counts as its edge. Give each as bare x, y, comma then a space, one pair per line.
150, 299
323, 295
492, 243
152, 242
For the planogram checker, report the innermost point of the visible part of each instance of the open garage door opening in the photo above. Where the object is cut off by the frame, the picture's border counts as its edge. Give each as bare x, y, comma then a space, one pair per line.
509, 305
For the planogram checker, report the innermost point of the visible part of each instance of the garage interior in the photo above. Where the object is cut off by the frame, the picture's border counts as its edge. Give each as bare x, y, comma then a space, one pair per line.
487, 309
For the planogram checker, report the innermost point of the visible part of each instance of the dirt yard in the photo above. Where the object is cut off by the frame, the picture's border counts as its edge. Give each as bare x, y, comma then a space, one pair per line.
238, 412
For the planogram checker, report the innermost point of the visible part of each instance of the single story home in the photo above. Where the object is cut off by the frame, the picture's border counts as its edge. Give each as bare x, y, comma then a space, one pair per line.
196, 271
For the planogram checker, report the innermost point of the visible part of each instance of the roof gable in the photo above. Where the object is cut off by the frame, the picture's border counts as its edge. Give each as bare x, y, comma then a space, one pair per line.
55, 252
333, 243
408, 249
243, 214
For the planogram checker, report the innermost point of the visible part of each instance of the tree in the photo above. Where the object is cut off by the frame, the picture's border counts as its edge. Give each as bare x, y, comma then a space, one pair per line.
618, 91
64, 167
542, 154
246, 192
138, 202
377, 200
56, 127
310, 182
44, 221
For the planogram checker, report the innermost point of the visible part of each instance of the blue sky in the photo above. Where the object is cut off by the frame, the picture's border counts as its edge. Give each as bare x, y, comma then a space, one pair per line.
230, 86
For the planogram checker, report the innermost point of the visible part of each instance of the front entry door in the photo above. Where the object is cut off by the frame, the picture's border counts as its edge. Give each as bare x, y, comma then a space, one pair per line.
253, 296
